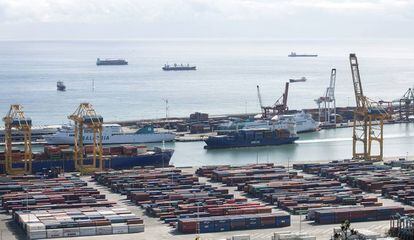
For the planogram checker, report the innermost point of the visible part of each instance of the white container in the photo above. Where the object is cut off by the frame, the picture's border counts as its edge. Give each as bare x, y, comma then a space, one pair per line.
28, 218
37, 234
276, 235
241, 237
87, 231
103, 230
119, 228
136, 228
287, 236
307, 238
71, 232
128, 216
106, 212
30, 227
54, 233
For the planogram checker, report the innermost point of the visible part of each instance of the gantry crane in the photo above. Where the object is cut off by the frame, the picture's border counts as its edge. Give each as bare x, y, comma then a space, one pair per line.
368, 120
85, 117
279, 107
16, 119
406, 106
328, 103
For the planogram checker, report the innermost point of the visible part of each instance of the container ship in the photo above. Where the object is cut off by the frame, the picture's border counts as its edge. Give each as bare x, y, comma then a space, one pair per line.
293, 54
111, 134
251, 138
178, 67
115, 157
111, 62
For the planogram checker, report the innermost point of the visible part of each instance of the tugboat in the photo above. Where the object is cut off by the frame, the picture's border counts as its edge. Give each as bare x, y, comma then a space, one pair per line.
293, 54
178, 67
111, 62
60, 86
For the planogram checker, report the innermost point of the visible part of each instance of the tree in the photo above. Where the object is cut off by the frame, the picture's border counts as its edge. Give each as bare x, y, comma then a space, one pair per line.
347, 232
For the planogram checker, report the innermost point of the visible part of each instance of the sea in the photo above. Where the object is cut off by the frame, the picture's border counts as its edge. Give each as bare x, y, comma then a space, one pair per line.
228, 72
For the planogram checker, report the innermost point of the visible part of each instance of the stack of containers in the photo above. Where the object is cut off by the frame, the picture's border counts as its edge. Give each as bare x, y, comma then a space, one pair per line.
338, 215
397, 184
53, 152
233, 223
69, 208
79, 222
56, 193
174, 196
289, 191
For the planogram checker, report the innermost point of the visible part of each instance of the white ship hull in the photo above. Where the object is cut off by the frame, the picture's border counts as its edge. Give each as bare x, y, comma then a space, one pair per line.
303, 122
111, 134
117, 139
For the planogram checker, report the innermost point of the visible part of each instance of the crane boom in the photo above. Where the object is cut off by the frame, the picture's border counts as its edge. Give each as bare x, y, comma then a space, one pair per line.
278, 107
330, 91
356, 78
285, 95
259, 96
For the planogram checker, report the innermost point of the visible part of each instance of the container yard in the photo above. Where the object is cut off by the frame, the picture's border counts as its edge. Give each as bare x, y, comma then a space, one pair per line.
63, 207
180, 200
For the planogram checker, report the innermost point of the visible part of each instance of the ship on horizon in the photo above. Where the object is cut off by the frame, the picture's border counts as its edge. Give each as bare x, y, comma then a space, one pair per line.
109, 61
178, 67
293, 80
294, 54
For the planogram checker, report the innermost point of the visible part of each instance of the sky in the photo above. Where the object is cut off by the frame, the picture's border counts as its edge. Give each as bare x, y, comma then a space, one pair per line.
140, 19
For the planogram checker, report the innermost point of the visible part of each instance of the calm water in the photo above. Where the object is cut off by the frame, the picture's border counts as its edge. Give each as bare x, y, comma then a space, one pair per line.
324, 145
225, 82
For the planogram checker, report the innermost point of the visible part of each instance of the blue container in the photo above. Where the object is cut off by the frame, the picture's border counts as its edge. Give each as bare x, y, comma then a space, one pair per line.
252, 222
283, 221
206, 226
238, 223
222, 225
168, 220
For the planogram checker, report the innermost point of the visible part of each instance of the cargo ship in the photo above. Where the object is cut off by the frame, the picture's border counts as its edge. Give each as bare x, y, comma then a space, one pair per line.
293, 54
293, 80
178, 67
111, 134
251, 138
116, 157
111, 62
